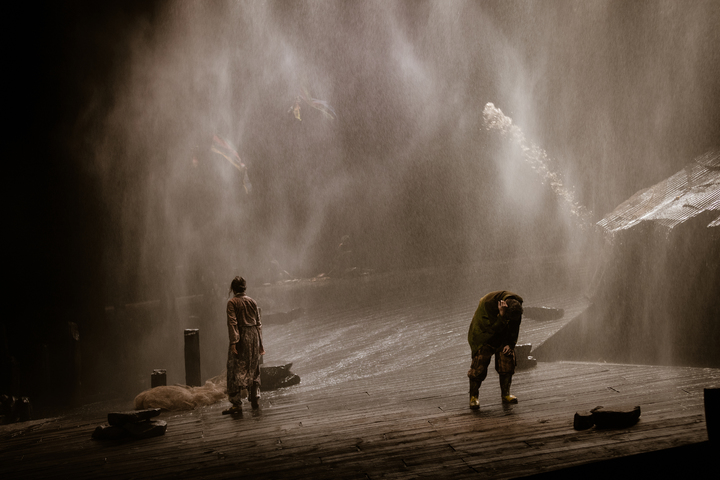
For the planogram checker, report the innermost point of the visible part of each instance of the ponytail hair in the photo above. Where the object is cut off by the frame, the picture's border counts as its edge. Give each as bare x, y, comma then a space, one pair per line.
237, 286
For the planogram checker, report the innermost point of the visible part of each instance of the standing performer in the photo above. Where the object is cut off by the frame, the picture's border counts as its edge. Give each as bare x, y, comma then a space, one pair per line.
494, 331
245, 331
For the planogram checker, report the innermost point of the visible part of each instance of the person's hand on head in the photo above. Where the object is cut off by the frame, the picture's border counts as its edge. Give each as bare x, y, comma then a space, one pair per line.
502, 307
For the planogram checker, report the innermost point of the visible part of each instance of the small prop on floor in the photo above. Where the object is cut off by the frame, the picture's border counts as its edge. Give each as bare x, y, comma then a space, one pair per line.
158, 378
277, 376
522, 356
583, 420
607, 417
13, 409
134, 424
543, 313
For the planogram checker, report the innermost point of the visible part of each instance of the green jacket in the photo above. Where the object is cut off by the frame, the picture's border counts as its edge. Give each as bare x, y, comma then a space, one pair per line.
487, 327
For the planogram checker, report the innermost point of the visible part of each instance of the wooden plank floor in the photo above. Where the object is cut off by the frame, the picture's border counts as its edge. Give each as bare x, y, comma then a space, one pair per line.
384, 395
408, 425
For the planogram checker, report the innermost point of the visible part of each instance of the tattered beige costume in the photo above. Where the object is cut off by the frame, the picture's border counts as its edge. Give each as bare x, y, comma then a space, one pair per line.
245, 332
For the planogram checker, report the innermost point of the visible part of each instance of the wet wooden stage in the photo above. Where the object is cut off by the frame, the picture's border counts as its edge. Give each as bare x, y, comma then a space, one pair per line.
389, 420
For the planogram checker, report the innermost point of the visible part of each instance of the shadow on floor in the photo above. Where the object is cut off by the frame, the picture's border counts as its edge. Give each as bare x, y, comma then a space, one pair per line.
680, 461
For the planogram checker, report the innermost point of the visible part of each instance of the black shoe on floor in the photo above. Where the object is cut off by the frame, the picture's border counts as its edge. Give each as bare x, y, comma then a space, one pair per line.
234, 410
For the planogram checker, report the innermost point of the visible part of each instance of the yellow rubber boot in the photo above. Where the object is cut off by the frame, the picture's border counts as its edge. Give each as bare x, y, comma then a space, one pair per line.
505, 382
474, 394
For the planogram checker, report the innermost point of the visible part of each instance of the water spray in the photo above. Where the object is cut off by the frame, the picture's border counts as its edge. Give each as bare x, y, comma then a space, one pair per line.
537, 158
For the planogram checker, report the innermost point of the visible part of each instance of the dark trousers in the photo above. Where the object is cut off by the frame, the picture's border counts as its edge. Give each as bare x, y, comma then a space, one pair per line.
504, 365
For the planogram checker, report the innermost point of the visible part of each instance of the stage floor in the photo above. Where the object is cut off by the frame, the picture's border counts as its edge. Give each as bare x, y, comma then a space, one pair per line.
384, 395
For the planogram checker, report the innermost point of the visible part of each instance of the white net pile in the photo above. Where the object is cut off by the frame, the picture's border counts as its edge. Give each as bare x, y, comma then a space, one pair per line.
183, 397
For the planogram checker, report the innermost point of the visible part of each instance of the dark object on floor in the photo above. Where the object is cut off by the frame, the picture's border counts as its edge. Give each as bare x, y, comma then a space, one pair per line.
522, 356
277, 376
158, 378
543, 313
146, 429
615, 417
133, 416
135, 424
24, 409
109, 432
7, 409
712, 414
607, 417
583, 420
13, 409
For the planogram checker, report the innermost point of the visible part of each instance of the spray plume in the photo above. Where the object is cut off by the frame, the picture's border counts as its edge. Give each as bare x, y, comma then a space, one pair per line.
538, 160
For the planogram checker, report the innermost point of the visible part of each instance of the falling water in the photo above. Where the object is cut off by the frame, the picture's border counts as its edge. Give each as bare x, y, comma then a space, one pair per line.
538, 160
145, 237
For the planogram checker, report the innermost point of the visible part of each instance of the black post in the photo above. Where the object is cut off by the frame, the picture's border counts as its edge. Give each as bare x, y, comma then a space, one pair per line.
712, 414
158, 378
192, 357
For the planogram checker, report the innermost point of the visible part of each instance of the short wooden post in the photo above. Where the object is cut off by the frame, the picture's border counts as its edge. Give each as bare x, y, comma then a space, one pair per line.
158, 378
192, 357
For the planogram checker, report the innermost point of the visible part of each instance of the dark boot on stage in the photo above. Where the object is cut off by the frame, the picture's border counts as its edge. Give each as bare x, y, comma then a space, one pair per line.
474, 394
254, 396
505, 382
233, 410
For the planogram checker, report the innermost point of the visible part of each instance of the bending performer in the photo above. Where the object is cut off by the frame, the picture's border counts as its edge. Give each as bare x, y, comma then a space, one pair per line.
494, 331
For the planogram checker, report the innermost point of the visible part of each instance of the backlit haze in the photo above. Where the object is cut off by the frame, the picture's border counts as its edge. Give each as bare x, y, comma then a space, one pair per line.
615, 96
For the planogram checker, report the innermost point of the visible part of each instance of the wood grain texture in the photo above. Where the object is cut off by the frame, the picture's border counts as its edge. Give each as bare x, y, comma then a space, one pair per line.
384, 395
